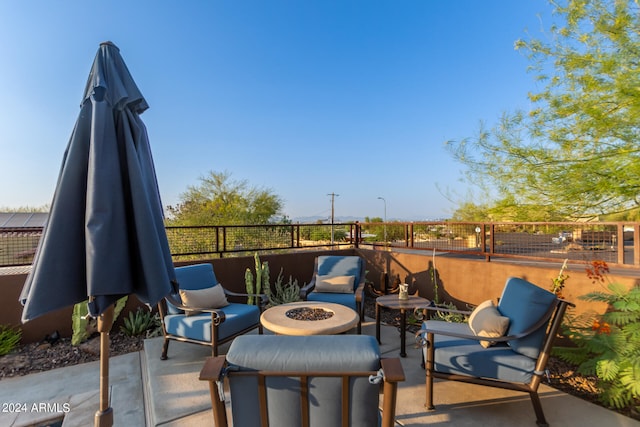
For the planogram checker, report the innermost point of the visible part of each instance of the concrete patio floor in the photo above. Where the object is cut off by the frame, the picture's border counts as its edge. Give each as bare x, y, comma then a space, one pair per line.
147, 391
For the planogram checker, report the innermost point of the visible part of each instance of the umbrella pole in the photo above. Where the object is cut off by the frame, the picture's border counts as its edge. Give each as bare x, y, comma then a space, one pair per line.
104, 416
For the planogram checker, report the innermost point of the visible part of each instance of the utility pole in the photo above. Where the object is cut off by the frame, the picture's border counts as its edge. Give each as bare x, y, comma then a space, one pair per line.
333, 198
385, 219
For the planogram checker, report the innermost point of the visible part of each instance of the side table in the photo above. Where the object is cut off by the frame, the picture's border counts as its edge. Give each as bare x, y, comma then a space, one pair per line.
392, 302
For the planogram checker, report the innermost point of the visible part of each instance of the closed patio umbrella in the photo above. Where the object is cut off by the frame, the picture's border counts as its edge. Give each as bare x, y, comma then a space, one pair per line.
105, 236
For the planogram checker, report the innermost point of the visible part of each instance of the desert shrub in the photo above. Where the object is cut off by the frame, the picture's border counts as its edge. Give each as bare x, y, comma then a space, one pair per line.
9, 339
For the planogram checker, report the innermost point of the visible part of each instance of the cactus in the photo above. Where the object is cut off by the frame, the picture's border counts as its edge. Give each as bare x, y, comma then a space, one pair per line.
83, 326
261, 280
284, 292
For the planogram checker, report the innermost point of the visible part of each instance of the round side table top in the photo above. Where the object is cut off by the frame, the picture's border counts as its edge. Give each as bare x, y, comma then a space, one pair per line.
276, 320
395, 303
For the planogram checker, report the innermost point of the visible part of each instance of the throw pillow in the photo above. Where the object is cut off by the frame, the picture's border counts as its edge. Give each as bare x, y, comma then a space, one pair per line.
212, 297
335, 284
486, 321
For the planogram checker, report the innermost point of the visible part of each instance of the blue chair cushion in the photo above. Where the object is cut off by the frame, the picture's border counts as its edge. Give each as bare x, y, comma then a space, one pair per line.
525, 304
196, 276
238, 317
191, 277
348, 300
467, 357
334, 265
324, 353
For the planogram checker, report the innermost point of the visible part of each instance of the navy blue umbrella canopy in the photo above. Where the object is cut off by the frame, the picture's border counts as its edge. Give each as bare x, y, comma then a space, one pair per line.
105, 236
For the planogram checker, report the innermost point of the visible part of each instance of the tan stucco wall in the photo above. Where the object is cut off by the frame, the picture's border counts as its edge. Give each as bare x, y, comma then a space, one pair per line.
463, 281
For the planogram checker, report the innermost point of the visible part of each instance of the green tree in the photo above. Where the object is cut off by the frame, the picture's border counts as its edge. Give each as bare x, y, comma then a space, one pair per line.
576, 153
220, 200
469, 211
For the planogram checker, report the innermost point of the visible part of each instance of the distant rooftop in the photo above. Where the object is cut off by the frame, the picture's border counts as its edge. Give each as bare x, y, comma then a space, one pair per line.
23, 219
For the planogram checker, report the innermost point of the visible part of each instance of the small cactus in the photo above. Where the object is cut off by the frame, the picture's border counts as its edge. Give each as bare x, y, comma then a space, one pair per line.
261, 280
284, 292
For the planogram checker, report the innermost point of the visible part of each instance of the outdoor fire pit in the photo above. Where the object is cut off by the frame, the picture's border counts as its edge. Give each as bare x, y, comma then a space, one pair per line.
309, 318
309, 313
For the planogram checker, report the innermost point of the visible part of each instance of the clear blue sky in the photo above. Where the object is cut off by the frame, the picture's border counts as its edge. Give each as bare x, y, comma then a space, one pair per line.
303, 97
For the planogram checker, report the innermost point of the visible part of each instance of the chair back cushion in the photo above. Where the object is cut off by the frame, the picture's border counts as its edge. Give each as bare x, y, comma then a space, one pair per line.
313, 354
193, 277
525, 304
196, 276
348, 300
335, 265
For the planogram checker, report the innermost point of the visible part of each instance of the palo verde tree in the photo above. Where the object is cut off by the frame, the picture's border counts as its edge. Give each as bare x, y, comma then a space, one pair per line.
219, 200
577, 151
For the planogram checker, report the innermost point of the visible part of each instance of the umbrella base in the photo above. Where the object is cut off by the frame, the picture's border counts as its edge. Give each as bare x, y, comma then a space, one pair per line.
103, 418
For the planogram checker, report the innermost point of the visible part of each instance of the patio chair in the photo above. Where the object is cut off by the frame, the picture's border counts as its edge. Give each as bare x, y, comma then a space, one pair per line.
199, 311
338, 279
507, 346
292, 381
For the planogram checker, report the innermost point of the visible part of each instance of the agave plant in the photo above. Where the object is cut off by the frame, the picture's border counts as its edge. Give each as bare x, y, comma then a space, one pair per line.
139, 322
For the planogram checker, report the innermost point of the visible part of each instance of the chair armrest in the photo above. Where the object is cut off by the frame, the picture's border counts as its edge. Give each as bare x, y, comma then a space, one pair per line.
215, 313
393, 373
359, 292
442, 309
392, 369
307, 289
212, 369
541, 322
264, 299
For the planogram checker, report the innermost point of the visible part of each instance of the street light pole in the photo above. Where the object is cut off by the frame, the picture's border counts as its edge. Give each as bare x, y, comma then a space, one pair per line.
385, 218
333, 197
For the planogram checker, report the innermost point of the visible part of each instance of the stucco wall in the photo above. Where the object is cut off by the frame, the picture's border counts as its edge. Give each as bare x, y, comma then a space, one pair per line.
463, 281
470, 281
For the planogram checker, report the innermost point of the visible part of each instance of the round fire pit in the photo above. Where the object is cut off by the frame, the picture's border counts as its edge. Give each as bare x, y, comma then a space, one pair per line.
309, 318
309, 313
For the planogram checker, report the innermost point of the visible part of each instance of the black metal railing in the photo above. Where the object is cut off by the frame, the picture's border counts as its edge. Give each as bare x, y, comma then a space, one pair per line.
614, 242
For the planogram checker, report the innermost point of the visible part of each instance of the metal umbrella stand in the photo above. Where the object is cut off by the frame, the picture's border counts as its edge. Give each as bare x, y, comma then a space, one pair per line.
105, 235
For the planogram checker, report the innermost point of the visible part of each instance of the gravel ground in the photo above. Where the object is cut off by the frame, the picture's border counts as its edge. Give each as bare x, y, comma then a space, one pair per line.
37, 357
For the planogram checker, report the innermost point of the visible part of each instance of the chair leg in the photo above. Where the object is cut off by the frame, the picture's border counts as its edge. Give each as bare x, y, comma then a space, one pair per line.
429, 371
537, 407
165, 348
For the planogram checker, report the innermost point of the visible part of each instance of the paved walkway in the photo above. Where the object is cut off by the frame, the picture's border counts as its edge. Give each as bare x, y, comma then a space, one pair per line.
147, 391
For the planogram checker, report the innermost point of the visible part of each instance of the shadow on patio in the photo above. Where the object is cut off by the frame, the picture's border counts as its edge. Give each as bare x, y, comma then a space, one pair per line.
152, 392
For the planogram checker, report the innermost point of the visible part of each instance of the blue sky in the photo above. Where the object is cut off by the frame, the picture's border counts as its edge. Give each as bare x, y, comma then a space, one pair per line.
305, 98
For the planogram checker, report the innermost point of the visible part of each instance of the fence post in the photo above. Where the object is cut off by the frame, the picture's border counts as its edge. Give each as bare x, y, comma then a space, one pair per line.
355, 234
411, 240
636, 244
620, 243
492, 241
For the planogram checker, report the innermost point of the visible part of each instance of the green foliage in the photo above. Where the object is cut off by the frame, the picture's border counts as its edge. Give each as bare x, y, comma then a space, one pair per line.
139, 323
83, 326
575, 153
322, 233
262, 280
284, 292
608, 345
218, 200
9, 339
448, 316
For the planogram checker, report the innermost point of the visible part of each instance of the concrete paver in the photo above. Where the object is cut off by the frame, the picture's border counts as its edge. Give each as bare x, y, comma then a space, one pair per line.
152, 392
